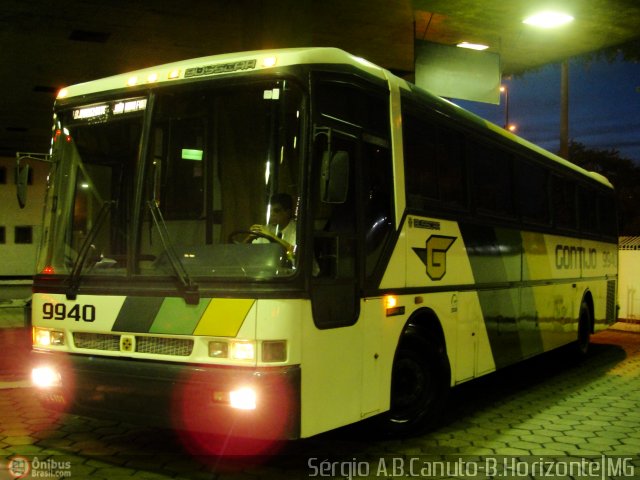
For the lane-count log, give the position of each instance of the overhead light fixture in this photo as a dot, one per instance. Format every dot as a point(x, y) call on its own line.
point(548, 19)
point(472, 46)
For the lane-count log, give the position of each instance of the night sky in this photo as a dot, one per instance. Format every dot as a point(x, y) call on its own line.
point(604, 106)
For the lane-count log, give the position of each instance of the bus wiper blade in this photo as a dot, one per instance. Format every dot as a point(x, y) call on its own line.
point(74, 278)
point(190, 289)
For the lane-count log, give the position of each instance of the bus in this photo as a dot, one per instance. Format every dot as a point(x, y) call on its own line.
point(430, 247)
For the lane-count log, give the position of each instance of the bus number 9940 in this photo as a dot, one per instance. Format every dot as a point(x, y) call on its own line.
point(60, 311)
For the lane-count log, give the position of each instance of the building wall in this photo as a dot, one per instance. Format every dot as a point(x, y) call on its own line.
point(19, 259)
point(629, 278)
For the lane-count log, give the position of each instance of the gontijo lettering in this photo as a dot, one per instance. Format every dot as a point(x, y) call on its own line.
point(570, 256)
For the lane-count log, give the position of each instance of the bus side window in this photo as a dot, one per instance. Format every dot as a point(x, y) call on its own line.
point(492, 180)
point(435, 173)
point(563, 199)
point(451, 169)
point(419, 145)
point(588, 210)
point(533, 201)
point(607, 219)
point(378, 202)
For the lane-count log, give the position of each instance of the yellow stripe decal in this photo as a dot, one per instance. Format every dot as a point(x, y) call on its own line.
point(224, 317)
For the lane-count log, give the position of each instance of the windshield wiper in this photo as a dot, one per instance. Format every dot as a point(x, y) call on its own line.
point(74, 278)
point(190, 289)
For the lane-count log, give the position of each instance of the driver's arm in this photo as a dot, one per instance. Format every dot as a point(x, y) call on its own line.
point(262, 229)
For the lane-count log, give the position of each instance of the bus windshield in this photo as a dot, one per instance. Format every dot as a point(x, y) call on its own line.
point(201, 179)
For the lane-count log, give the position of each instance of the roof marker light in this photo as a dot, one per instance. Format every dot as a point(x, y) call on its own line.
point(173, 74)
point(132, 81)
point(269, 62)
point(152, 77)
point(63, 93)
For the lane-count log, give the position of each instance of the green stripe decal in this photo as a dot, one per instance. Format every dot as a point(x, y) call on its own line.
point(496, 258)
point(177, 318)
point(137, 314)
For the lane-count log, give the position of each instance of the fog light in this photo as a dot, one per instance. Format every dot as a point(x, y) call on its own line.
point(46, 377)
point(274, 351)
point(57, 337)
point(218, 349)
point(44, 338)
point(243, 398)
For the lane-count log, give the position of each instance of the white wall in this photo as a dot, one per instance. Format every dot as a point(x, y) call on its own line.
point(19, 259)
point(629, 283)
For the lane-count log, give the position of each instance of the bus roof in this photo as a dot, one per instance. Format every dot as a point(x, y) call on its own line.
point(217, 65)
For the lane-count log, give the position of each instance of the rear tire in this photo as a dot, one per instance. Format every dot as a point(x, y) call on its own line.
point(419, 386)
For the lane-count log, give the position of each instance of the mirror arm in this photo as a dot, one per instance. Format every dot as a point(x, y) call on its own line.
point(40, 157)
point(22, 175)
point(317, 131)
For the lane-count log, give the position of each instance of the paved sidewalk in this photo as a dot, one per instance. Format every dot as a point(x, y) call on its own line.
point(551, 407)
point(12, 313)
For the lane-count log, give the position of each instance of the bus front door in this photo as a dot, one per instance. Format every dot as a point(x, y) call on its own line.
point(335, 293)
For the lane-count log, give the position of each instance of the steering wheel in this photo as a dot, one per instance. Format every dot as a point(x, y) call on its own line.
point(250, 235)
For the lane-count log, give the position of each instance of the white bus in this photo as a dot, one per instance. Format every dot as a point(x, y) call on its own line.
point(426, 247)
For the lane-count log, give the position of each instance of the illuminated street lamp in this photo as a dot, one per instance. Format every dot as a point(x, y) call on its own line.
point(547, 20)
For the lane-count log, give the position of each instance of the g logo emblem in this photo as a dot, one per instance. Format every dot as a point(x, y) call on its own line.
point(434, 256)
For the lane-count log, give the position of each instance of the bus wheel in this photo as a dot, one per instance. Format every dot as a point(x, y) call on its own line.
point(419, 384)
point(584, 329)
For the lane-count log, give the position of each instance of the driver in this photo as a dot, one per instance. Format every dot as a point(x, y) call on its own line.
point(282, 225)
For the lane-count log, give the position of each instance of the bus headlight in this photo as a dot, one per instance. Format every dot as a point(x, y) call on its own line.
point(234, 350)
point(46, 377)
point(243, 351)
point(272, 351)
point(43, 337)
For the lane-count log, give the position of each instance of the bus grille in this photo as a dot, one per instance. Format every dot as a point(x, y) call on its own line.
point(164, 346)
point(97, 341)
point(155, 345)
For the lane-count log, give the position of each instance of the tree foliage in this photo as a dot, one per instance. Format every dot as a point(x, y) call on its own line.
point(622, 172)
point(628, 52)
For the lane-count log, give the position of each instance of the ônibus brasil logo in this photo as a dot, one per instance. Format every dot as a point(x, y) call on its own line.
point(19, 467)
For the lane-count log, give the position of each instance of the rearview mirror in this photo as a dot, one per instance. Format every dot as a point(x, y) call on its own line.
point(334, 177)
point(22, 173)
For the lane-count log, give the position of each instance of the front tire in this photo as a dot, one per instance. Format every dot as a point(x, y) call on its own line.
point(419, 386)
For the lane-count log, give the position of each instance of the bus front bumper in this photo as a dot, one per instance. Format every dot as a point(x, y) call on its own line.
point(232, 401)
